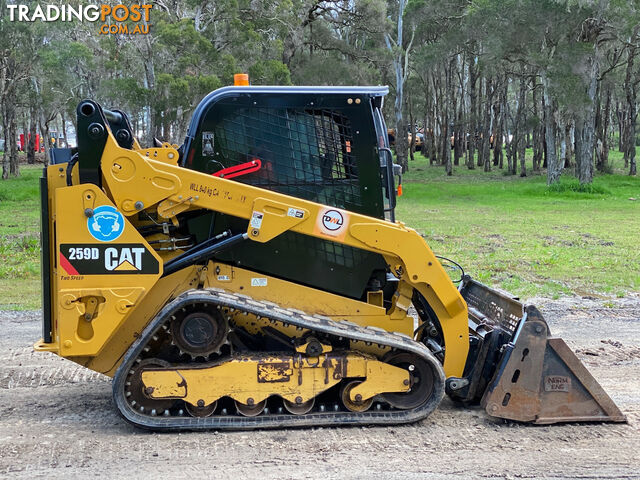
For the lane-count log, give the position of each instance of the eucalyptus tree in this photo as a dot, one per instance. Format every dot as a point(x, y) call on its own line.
point(631, 82)
point(399, 48)
point(14, 69)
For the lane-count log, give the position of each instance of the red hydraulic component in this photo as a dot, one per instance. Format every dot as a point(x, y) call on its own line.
point(237, 170)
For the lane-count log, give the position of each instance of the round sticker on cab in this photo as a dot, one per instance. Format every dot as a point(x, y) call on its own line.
point(106, 224)
point(332, 222)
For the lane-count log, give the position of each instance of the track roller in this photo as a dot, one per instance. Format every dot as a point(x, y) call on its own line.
point(354, 405)
point(299, 408)
point(201, 410)
point(251, 410)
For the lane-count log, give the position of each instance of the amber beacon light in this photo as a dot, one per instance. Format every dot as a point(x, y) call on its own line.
point(241, 80)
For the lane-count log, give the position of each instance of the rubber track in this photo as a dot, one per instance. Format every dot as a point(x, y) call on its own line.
point(297, 318)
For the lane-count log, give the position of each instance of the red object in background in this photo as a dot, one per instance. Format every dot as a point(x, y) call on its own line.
point(23, 145)
point(237, 170)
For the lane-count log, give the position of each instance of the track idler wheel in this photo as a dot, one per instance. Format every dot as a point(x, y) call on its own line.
point(421, 378)
point(354, 405)
point(134, 389)
point(252, 410)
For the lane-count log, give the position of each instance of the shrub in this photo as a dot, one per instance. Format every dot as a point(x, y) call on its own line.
point(573, 186)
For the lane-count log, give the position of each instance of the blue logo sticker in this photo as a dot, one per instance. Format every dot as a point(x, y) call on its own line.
point(107, 223)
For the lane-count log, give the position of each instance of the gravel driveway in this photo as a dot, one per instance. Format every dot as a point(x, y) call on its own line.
point(58, 421)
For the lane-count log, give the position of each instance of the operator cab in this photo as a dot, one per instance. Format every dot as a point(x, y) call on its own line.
point(323, 144)
point(318, 143)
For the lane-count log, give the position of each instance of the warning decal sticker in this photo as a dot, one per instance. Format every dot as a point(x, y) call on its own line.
point(256, 220)
point(294, 212)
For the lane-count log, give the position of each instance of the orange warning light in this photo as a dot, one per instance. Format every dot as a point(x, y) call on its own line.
point(241, 80)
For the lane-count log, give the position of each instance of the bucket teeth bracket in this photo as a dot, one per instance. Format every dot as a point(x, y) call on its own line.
point(540, 380)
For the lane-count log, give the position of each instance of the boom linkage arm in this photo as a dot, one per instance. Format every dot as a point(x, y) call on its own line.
point(136, 182)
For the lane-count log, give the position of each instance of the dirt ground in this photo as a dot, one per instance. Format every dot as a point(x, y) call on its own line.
point(57, 420)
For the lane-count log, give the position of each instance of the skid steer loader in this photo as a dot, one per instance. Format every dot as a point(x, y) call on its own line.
point(255, 277)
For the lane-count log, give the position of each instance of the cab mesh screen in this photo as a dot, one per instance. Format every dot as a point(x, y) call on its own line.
point(304, 153)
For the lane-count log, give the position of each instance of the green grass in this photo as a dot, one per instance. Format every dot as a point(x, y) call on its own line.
point(19, 240)
point(507, 231)
point(518, 234)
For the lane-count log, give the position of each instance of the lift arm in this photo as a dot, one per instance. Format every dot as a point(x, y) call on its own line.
point(137, 182)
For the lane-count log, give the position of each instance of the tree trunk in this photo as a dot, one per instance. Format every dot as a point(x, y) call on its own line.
point(473, 121)
point(565, 157)
point(457, 141)
point(509, 131)
point(426, 148)
point(400, 66)
point(33, 130)
point(496, 131)
point(433, 148)
point(606, 118)
point(566, 144)
point(554, 170)
point(522, 122)
point(64, 130)
point(6, 164)
point(498, 136)
point(585, 121)
point(401, 142)
point(433, 145)
point(514, 144)
point(413, 130)
point(44, 133)
point(585, 130)
point(630, 89)
point(458, 148)
point(441, 125)
point(149, 84)
point(487, 125)
point(450, 88)
point(503, 122)
point(480, 118)
point(10, 108)
point(620, 116)
point(538, 130)
point(425, 139)
point(579, 131)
